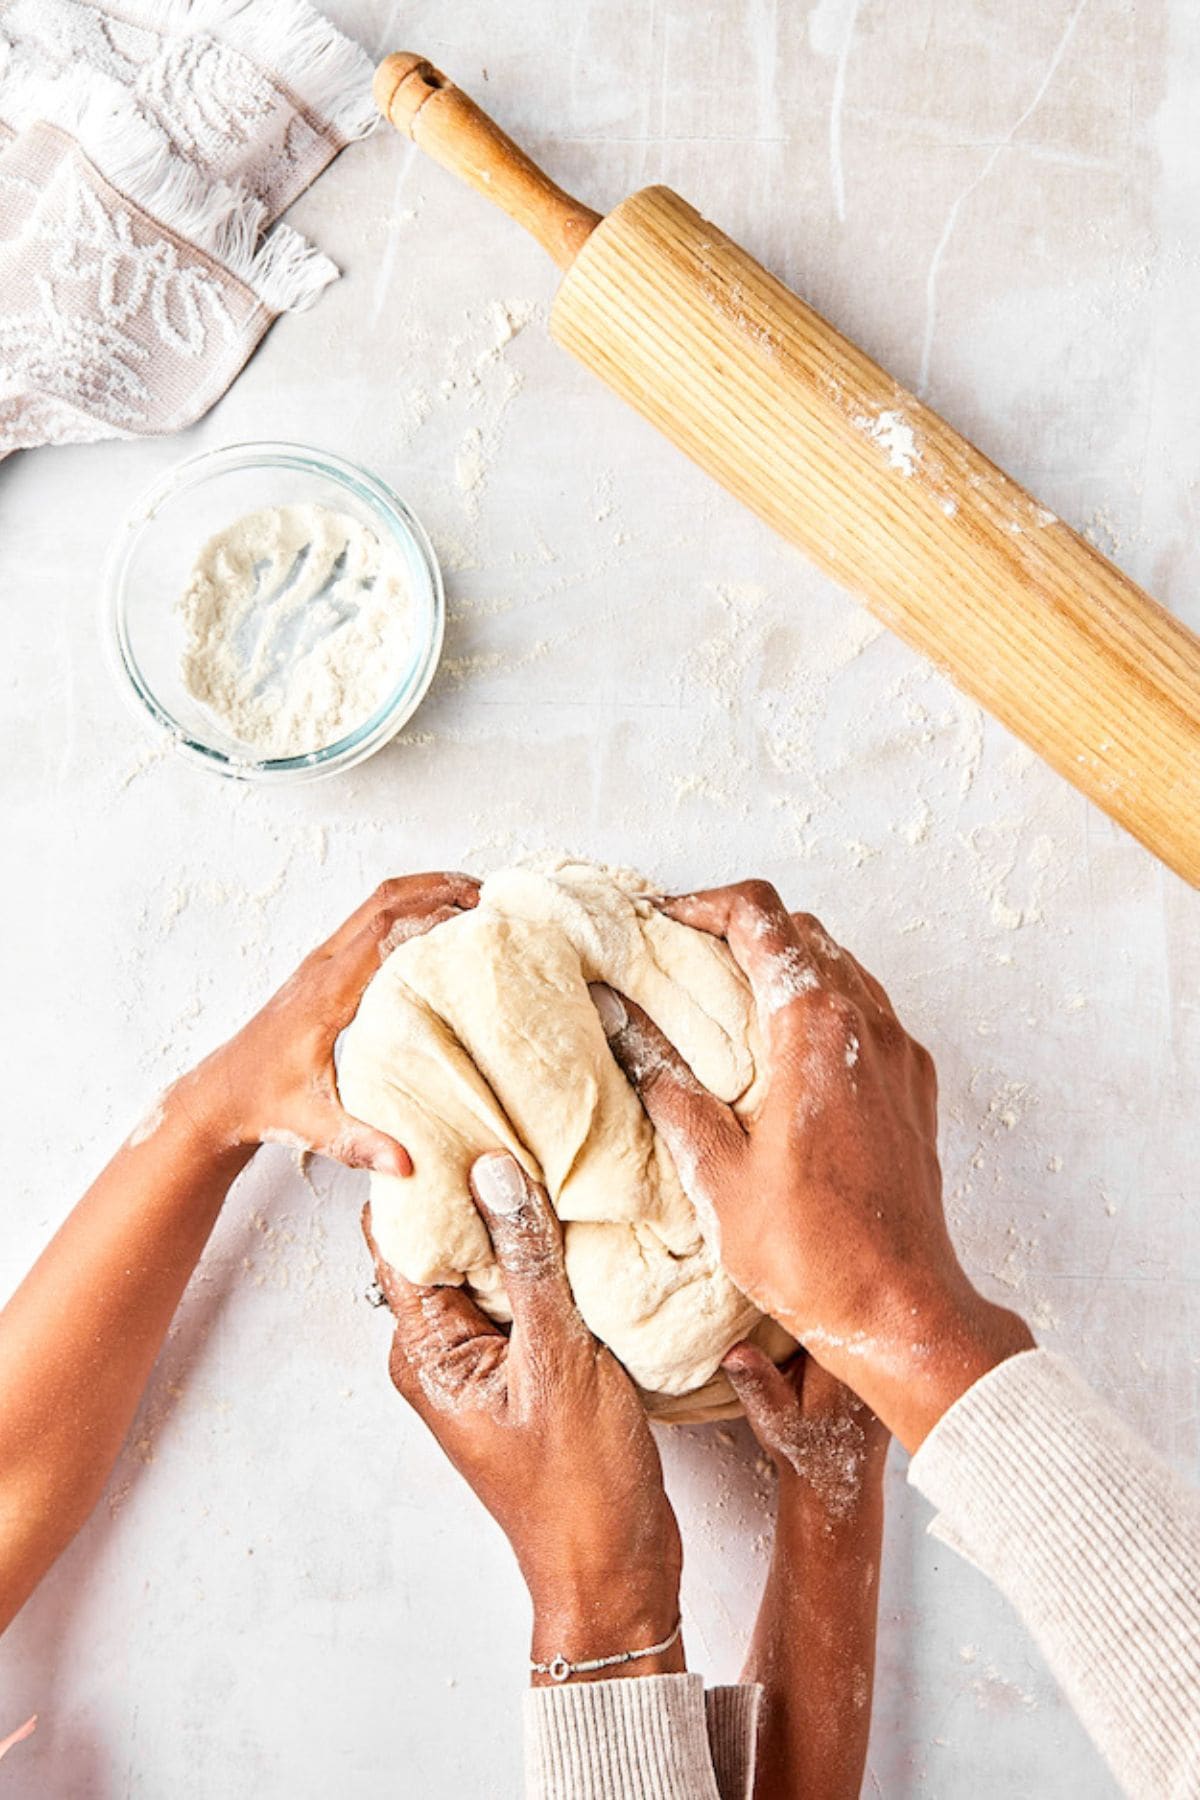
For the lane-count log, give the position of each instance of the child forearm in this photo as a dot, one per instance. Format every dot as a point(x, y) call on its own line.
point(814, 1647)
point(80, 1335)
point(814, 1642)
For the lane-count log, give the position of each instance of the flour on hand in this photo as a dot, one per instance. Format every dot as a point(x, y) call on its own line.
point(482, 1035)
point(299, 623)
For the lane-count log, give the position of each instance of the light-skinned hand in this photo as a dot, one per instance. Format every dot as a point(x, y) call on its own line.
point(101, 1296)
point(274, 1082)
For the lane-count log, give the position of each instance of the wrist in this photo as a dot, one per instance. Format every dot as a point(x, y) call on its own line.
point(584, 1621)
point(202, 1106)
point(928, 1349)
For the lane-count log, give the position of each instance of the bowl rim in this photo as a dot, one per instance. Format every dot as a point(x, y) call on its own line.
point(191, 472)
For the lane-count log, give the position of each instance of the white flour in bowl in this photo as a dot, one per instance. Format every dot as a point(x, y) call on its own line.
point(299, 624)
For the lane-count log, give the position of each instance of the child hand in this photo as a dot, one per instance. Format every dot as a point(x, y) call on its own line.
point(275, 1081)
point(826, 1443)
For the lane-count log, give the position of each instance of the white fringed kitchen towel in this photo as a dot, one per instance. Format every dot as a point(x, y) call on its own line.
point(145, 148)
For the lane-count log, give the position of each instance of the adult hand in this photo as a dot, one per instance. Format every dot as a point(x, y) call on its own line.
point(828, 1202)
point(275, 1081)
point(548, 1429)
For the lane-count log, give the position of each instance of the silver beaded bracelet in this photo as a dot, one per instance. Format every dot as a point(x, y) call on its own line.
point(561, 1670)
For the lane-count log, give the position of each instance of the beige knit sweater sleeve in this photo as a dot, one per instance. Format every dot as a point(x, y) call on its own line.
point(1097, 1545)
point(652, 1737)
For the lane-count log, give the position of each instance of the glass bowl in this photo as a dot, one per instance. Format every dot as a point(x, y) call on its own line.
point(151, 560)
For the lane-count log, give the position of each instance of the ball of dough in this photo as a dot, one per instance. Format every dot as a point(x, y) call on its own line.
point(481, 1035)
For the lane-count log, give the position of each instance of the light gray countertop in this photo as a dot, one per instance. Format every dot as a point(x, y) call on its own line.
point(286, 1591)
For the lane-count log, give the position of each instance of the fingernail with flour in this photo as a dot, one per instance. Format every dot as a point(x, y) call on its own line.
point(613, 1016)
point(500, 1184)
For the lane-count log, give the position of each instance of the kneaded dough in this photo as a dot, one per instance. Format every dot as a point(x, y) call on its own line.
point(482, 1035)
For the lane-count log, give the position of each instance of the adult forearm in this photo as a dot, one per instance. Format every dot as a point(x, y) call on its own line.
point(600, 1612)
point(1096, 1542)
point(80, 1335)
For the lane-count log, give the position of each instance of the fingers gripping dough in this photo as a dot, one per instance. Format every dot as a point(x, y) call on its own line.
point(482, 1035)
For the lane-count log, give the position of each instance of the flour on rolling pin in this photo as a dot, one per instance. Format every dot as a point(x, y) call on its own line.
point(299, 624)
point(894, 435)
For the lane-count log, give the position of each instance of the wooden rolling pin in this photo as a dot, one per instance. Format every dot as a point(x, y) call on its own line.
point(882, 494)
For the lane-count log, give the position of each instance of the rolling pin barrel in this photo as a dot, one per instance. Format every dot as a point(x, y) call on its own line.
point(882, 494)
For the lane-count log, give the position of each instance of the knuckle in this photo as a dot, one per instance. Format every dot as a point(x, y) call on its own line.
point(807, 923)
point(873, 985)
point(758, 896)
point(649, 1070)
point(528, 1239)
point(541, 1235)
point(825, 1024)
point(535, 1259)
point(380, 923)
point(400, 1368)
point(646, 1057)
point(713, 1150)
point(824, 945)
point(390, 890)
point(698, 1150)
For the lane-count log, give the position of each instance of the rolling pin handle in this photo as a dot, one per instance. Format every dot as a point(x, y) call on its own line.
point(403, 82)
point(444, 122)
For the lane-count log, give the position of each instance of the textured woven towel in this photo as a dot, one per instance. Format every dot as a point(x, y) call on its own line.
point(145, 147)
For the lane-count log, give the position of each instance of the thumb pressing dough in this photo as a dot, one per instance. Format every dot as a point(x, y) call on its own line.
point(481, 1035)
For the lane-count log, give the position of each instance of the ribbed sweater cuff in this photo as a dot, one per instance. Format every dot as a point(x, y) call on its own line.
point(1096, 1543)
point(733, 1737)
point(645, 1738)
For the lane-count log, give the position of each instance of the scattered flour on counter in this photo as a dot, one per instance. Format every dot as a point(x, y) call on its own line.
point(146, 758)
point(299, 623)
point(470, 465)
point(478, 372)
